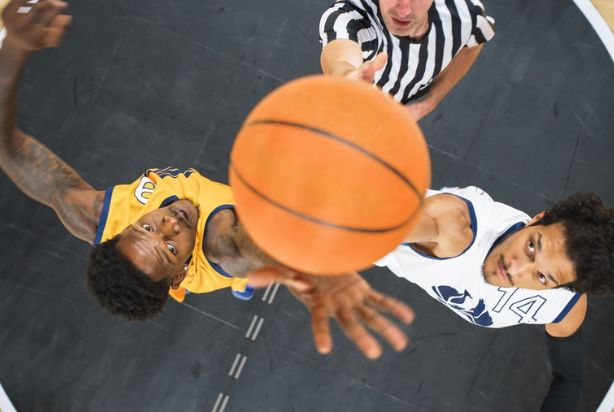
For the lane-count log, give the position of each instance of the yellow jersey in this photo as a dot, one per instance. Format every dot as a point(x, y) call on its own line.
point(156, 188)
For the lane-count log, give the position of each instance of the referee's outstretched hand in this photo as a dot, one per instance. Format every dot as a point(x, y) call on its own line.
point(350, 300)
point(368, 69)
point(34, 24)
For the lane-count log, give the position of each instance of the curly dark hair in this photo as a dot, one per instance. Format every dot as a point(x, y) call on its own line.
point(589, 241)
point(120, 287)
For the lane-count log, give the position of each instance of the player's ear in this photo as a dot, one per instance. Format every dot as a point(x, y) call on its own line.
point(536, 218)
point(179, 276)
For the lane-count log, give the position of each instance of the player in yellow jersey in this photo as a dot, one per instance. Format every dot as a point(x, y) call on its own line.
point(170, 230)
point(194, 200)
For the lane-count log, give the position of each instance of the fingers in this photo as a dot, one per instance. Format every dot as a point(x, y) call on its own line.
point(383, 327)
point(321, 330)
point(369, 68)
point(263, 277)
point(356, 332)
point(35, 24)
point(54, 35)
point(380, 61)
point(393, 306)
point(45, 11)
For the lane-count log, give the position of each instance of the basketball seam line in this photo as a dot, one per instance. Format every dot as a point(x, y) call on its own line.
point(320, 221)
point(340, 139)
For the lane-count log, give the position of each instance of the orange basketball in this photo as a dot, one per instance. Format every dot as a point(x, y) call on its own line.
point(328, 174)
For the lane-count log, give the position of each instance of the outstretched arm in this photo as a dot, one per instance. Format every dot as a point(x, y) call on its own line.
point(347, 298)
point(343, 58)
point(444, 82)
point(35, 169)
point(565, 349)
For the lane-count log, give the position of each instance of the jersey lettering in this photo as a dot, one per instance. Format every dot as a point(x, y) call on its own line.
point(527, 308)
point(144, 190)
point(507, 295)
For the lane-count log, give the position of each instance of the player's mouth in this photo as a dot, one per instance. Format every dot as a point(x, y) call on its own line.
point(502, 272)
point(402, 23)
point(186, 214)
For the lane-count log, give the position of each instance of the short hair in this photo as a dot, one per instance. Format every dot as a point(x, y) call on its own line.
point(121, 288)
point(589, 241)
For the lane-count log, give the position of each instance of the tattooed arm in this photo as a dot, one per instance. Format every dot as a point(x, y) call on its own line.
point(35, 169)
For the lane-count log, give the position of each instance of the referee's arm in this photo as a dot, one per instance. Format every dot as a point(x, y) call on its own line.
point(444, 82)
point(343, 57)
point(565, 349)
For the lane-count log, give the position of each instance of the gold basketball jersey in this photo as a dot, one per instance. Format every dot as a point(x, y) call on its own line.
point(156, 188)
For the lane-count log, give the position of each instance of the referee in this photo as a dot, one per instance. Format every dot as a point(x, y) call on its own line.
point(416, 50)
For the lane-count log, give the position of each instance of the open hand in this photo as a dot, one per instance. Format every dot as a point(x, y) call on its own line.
point(34, 24)
point(350, 300)
point(368, 69)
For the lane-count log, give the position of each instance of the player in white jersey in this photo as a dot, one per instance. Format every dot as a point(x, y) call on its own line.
point(495, 267)
point(459, 282)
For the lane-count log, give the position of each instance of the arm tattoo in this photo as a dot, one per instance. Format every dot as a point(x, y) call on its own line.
point(42, 175)
point(35, 169)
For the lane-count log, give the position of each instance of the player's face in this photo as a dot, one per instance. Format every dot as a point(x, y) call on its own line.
point(532, 258)
point(161, 241)
point(403, 17)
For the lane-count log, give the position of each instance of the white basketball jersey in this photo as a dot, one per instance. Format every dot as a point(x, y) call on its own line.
point(458, 282)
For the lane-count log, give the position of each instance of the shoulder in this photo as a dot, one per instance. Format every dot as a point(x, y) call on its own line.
point(572, 320)
point(452, 218)
point(342, 13)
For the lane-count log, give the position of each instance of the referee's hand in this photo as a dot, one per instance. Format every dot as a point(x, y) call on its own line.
point(368, 69)
point(347, 298)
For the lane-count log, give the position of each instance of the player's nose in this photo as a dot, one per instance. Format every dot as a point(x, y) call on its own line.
point(403, 8)
point(520, 269)
point(170, 225)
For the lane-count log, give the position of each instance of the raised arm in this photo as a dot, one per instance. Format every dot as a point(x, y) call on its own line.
point(444, 82)
point(35, 169)
point(343, 58)
point(347, 298)
point(444, 226)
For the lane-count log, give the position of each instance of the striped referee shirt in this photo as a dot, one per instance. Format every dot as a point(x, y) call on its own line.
point(411, 66)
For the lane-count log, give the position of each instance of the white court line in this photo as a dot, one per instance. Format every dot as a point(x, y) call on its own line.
point(599, 25)
point(217, 402)
point(241, 367)
point(274, 293)
point(251, 326)
point(266, 292)
point(224, 403)
point(607, 405)
point(257, 328)
point(234, 364)
point(5, 402)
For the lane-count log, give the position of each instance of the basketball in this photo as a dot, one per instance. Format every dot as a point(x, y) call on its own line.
point(328, 174)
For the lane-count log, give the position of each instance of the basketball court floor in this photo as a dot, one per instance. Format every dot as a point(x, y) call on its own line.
point(140, 84)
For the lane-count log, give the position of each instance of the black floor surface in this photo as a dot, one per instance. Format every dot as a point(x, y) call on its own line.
point(141, 84)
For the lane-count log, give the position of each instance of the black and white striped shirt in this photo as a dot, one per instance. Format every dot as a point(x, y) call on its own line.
point(411, 66)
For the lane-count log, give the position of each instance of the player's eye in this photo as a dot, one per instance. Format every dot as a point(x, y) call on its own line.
point(172, 248)
point(147, 227)
point(531, 247)
point(542, 278)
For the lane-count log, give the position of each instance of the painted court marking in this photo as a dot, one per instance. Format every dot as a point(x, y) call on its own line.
point(221, 402)
point(607, 405)
point(240, 360)
point(5, 402)
point(599, 24)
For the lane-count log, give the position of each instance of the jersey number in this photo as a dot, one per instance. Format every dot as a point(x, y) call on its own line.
point(526, 308)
